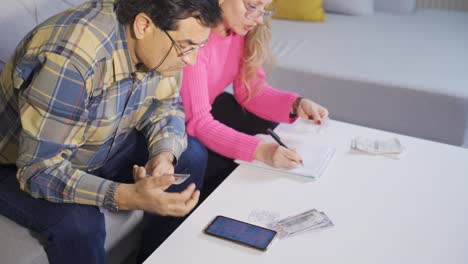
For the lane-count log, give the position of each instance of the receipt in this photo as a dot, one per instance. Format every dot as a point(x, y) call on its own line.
point(373, 146)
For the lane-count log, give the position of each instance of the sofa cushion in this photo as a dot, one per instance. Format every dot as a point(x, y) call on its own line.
point(349, 7)
point(13, 29)
point(395, 6)
point(306, 10)
point(19, 17)
point(19, 245)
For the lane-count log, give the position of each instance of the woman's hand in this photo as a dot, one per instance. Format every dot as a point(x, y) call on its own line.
point(310, 110)
point(277, 156)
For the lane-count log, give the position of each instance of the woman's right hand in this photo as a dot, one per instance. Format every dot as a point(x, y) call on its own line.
point(277, 156)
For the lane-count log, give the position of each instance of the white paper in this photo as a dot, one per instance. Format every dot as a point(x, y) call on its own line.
point(316, 158)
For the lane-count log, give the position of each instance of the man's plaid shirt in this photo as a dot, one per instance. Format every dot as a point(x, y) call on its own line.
point(70, 95)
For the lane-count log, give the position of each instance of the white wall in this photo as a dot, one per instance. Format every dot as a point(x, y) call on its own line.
point(461, 5)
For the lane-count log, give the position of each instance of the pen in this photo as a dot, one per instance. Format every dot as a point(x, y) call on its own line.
point(278, 140)
point(172, 174)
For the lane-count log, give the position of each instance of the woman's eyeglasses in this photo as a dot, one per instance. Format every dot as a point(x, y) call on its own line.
point(253, 12)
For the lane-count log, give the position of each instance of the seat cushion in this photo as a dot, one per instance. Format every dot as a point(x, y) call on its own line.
point(19, 245)
point(395, 6)
point(349, 7)
point(19, 17)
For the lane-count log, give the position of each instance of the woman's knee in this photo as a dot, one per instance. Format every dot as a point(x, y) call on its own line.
point(198, 151)
point(194, 157)
point(193, 161)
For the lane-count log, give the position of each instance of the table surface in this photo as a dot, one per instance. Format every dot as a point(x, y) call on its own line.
point(411, 210)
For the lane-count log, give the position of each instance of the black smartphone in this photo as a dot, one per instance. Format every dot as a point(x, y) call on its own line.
point(241, 232)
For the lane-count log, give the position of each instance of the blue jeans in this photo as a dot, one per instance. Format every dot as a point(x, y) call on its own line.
point(157, 228)
point(74, 233)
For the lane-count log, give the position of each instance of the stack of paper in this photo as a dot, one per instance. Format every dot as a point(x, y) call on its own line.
point(316, 158)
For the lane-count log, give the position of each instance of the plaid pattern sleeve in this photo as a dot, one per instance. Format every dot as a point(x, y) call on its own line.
point(164, 125)
point(54, 117)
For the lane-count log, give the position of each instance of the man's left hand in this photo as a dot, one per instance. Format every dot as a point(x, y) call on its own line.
point(160, 164)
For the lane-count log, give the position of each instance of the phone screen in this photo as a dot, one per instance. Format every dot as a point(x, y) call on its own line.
point(241, 232)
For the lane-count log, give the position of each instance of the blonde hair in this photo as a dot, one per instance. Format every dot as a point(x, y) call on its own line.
point(257, 53)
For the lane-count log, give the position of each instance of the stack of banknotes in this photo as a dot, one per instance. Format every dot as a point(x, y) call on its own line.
point(306, 221)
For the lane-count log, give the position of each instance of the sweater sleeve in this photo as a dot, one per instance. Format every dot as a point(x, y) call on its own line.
point(201, 124)
point(267, 102)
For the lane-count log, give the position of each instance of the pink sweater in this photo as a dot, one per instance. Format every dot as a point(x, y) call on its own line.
point(218, 65)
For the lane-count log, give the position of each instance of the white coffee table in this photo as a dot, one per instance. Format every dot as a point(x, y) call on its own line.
point(412, 210)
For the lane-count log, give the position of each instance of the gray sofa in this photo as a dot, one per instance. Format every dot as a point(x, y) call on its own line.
point(400, 69)
point(18, 244)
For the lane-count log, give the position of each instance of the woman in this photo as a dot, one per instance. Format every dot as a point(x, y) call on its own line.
point(236, 51)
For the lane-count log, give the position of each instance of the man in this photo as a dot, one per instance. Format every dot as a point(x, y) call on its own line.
point(84, 103)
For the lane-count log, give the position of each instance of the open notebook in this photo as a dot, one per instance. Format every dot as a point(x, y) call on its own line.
point(316, 157)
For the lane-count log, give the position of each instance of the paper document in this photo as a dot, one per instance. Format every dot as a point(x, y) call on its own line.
point(316, 157)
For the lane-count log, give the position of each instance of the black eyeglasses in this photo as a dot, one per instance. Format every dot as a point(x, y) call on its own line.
point(181, 52)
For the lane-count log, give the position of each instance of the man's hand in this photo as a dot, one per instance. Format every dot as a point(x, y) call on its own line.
point(148, 194)
point(310, 110)
point(160, 164)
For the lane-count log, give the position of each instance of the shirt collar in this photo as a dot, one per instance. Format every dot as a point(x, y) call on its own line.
point(123, 63)
point(122, 60)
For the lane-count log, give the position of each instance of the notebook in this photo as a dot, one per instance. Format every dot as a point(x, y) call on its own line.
point(317, 158)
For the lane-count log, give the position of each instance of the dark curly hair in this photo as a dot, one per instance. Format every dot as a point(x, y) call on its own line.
point(166, 13)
